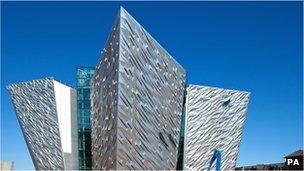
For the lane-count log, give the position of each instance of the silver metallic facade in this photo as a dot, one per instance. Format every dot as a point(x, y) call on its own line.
point(214, 120)
point(137, 99)
point(46, 111)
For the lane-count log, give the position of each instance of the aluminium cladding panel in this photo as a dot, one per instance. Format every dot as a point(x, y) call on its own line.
point(150, 101)
point(214, 120)
point(35, 105)
point(104, 104)
point(43, 122)
point(138, 103)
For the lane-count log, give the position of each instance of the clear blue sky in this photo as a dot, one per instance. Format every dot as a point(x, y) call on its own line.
point(252, 46)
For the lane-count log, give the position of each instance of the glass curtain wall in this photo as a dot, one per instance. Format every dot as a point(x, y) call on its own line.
point(84, 75)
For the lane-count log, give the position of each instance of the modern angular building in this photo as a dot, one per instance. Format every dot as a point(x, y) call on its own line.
point(46, 111)
point(137, 101)
point(134, 112)
point(214, 121)
point(84, 75)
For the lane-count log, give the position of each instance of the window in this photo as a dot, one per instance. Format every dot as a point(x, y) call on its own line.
point(86, 94)
point(226, 103)
point(86, 104)
point(172, 140)
point(161, 137)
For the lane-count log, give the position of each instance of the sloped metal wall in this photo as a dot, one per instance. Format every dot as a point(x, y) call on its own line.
point(214, 120)
point(35, 105)
point(37, 108)
point(137, 101)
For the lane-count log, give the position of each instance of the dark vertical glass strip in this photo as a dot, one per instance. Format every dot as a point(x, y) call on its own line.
point(84, 75)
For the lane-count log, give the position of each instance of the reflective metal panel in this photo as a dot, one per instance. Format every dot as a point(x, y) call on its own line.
point(214, 121)
point(104, 104)
point(48, 122)
point(137, 100)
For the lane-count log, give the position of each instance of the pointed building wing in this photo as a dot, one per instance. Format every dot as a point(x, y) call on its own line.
point(46, 111)
point(137, 101)
point(214, 120)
